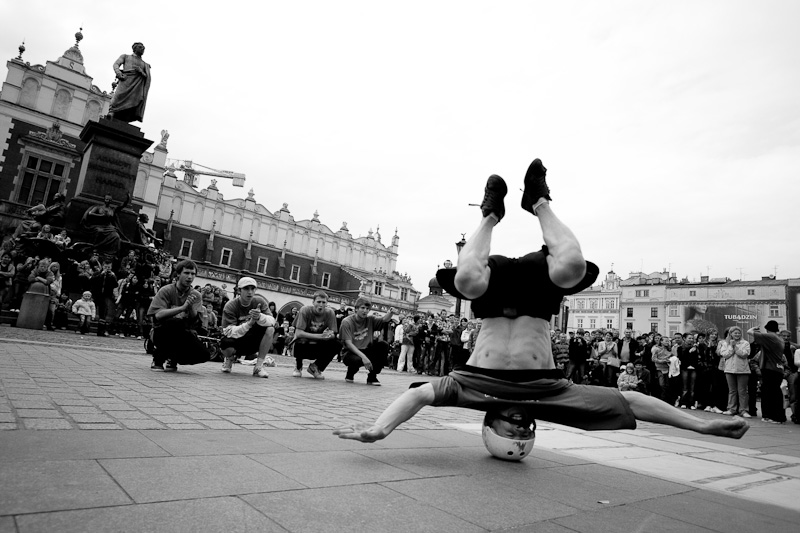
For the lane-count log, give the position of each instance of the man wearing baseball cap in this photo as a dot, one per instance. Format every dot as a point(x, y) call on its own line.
point(773, 364)
point(247, 327)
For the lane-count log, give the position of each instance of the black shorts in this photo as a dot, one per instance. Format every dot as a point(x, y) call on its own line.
point(247, 344)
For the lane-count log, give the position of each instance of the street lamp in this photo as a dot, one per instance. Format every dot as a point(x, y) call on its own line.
point(459, 246)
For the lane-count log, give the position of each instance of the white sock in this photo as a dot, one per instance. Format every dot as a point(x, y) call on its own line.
point(542, 201)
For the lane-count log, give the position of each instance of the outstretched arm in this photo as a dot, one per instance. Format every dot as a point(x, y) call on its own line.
point(403, 408)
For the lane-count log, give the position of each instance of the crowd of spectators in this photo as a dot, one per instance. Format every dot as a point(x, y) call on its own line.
point(120, 297)
point(693, 370)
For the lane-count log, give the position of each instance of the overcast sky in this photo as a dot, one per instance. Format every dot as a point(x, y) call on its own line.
point(670, 130)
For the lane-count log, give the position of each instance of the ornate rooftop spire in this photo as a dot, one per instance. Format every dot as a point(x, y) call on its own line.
point(74, 53)
point(21, 49)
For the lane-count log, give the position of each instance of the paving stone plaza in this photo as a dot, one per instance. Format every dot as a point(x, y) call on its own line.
point(93, 440)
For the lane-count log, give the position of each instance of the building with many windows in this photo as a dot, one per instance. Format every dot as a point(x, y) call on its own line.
point(596, 307)
point(43, 109)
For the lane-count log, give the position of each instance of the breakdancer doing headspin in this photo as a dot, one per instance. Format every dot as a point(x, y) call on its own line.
point(511, 374)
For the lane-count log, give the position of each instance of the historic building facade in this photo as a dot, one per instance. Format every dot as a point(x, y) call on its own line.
point(43, 109)
point(289, 259)
point(596, 307)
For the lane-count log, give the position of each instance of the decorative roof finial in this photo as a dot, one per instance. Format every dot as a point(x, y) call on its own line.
point(21, 49)
point(78, 37)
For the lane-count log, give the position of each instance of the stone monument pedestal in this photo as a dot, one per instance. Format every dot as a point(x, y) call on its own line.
point(109, 166)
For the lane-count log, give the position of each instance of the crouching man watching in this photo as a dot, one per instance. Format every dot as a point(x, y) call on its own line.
point(247, 330)
point(174, 313)
point(315, 336)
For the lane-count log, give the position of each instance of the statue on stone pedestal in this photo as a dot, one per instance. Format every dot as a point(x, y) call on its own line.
point(146, 236)
point(40, 214)
point(130, 98)
point(103, 222)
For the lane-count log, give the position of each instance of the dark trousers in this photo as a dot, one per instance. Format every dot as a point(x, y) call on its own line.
point(688, 378)
point(174, 341)
point(575, 371)
point(719, 390)
point(702, 387)
point(458, 357)
point(663, 383)
point(418, 360)
point(752, 393)
point(376, 352)
point(772, 396)
point(322, 352)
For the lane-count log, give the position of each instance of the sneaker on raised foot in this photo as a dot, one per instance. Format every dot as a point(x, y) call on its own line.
point(171, 366)
point(348, 378)
point(536, 187)
point(260, 372)
point(314, 371)
point(156, 365)
point(227, 365)
point(494, 193)
point(373, 381)
point(298, 373)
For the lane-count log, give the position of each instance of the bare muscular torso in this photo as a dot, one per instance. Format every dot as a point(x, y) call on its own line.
point(521, 343)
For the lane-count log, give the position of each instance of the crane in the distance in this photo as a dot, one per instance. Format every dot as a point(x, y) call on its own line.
point(191, 170)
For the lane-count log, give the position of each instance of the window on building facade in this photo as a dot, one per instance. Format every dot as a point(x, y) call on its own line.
point(378, 288)
point(692, 293)
point(592, 304)
point(654, 312)
point(261, 265)
point(751, 292)
point(629, 312)
point(654, 327)
point(326, 279)
point(774, 311)
point(609, 323)
point(225, 257)
point(186, 248)
point(643, 293)
point(41, 179)
point(592, 323)
point(673, 310)
point(610, 304)
point(629, 325)
point(580, 304)
point(404, 294)
point(580, 323)
point(294, 275)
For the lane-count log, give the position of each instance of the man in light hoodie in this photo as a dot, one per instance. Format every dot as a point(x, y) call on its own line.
point(248, 328)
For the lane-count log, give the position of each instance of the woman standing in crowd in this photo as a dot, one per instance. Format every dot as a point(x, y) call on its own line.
point(609, 358)
point(719, 385)
point(661, 355)
point(406, 357)
point(127, 301)
point(144, 297)
point(735, 352)
point(55, 293)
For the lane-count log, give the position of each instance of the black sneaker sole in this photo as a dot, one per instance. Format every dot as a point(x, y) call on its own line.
point(535, 185)
point(493, 198)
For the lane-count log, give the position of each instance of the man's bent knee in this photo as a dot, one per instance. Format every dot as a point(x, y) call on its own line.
point(568, 270)
point(472, 283)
